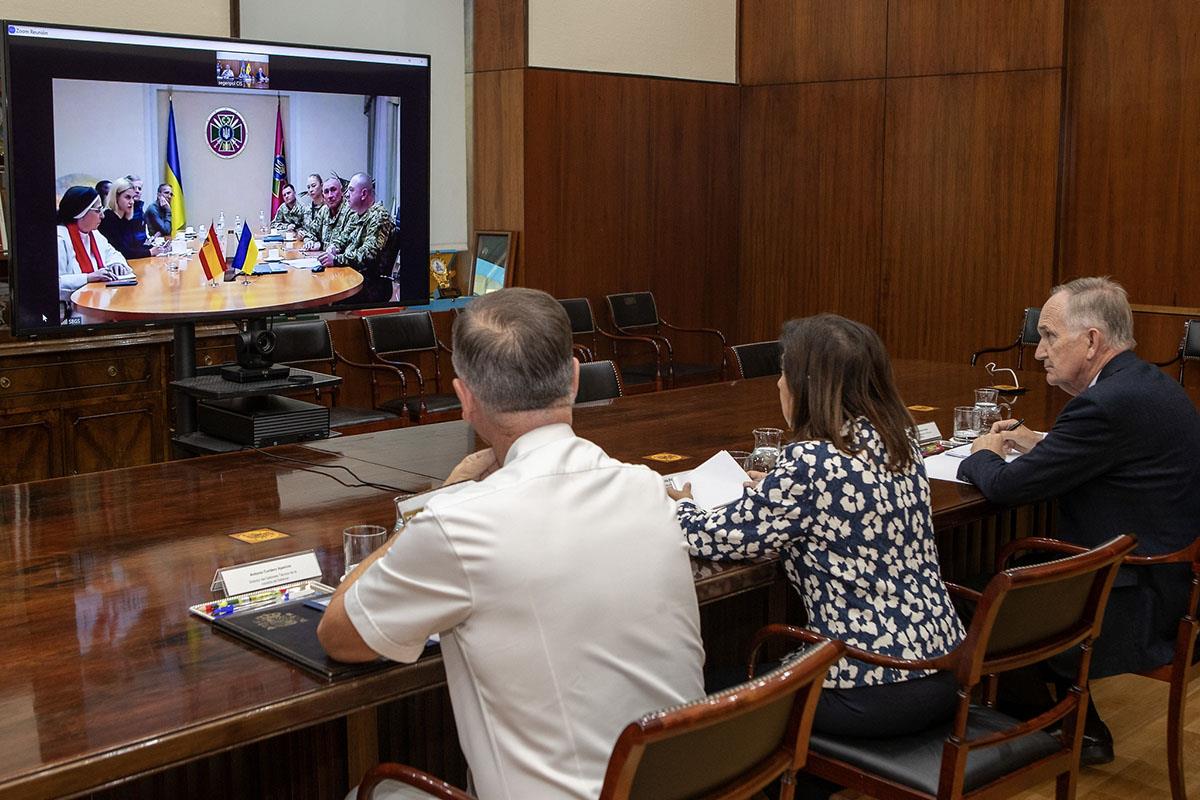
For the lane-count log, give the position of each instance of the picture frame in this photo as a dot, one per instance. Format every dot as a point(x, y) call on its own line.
point(492, 265)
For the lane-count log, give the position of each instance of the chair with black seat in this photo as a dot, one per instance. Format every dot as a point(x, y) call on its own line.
point(644, 366)
point(1026, 338)
point(724, 746)
point(598, 380)
point(1023, 616)
point(309, 345)
point(1189, 347)
point(754, 360)
point(636, 314)
point(1183, 667)
point(394, 338)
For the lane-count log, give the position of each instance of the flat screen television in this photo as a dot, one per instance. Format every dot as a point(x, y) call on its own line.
point(221, 126)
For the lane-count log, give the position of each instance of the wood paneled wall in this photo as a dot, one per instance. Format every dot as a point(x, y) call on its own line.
point(924, 201)
point(930, 167)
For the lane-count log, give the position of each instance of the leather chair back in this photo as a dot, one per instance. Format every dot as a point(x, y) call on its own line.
point(757, 359)
point(1029, 613)
point(405, 332)
point(302, 341)
point(1029, 332)
point(633, 310)
point(1191, 339)
point(579, 312)
point(598, 380)
point(725, 745)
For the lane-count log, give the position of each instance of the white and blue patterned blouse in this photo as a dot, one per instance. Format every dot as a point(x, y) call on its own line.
point(857, 543)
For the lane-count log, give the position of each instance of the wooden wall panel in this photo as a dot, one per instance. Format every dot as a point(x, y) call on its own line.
point(790, 41)
point(499, 35)
point(934, 37)
point(812, 172)
point(499, 119)
point(631, 184)
point(969, 207)
point(1131, 194)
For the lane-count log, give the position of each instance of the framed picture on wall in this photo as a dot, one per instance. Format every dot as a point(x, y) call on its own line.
point(494, 257)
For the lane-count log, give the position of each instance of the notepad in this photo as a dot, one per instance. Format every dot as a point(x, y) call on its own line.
point(301, 263)
point(717, 482)
point(944, 466)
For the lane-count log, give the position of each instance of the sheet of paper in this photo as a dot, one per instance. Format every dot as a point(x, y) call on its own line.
point(301, 263)
point(944, 465)
point(715, 482)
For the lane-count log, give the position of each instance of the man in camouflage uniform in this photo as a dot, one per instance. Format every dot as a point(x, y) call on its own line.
point(290, 216)
point(330, 220)
point(361, 242)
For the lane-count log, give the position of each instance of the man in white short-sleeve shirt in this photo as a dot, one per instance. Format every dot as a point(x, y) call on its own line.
point(556, 576)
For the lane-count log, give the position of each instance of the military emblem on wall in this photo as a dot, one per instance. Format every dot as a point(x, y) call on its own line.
point(225, 132)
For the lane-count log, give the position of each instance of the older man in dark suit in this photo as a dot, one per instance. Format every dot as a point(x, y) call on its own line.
point(1122, 457)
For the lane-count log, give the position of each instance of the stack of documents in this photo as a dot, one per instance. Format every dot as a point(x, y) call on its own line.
point(717, 482)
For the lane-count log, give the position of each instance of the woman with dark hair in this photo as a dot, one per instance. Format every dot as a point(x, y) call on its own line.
point(847, 508)
point(84, 255)
point(123, 227)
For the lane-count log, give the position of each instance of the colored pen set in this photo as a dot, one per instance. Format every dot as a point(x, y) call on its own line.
point(260, 599)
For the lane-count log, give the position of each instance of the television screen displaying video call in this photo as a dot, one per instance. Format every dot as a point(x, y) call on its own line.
point(165, 179)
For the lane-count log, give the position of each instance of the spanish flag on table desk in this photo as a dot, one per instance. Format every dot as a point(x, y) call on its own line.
point(211, 257)
point(247, 252)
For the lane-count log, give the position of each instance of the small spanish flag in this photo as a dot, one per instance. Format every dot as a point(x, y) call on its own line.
point(211, 257)
point(247, 252)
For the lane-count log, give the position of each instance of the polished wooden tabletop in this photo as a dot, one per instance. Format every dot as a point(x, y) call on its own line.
point(104, 674)
point(185, 293)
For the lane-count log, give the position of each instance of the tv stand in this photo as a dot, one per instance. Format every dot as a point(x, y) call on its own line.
point(238, 423)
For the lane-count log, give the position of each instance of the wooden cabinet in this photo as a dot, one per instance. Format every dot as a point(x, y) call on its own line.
point(81, 405)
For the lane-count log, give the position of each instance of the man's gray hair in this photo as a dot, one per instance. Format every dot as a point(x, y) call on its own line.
point(513, 349)
point(1100, 303)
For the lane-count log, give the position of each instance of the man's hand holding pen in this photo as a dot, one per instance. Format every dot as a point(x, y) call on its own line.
point(1008, 436)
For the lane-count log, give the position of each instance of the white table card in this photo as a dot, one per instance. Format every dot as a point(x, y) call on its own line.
point(268, 573)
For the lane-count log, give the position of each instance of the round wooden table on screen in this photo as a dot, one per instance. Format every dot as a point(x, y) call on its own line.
point(163, 294)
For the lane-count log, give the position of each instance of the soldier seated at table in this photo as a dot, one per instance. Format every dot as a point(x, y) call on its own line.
point(290, 216)
point(330, 219)
point(363, 239)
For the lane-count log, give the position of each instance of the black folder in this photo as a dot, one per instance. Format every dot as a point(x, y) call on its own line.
point(289, 630)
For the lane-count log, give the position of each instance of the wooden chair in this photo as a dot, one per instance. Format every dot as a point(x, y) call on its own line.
point(724, 746)
point(1023, 616)
point(1026, 338)
point(308, 344)
point(648, 351)
point(392, 338)
point(1189, 347)
point(636, 314)
point(754, 360)
point(1183, 667)
point(598, 380)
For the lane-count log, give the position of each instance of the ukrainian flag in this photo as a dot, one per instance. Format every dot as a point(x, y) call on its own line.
point(247, 252)
point(174, 176)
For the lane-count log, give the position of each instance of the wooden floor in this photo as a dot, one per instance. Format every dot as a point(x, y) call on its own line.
point(1136, 712)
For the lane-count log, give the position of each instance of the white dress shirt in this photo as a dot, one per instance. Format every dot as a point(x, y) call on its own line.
point(564, 596)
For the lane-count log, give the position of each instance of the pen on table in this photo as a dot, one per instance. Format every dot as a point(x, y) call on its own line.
point(233, 601)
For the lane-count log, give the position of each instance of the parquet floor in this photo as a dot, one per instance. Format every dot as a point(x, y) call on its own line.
point(1136, 712)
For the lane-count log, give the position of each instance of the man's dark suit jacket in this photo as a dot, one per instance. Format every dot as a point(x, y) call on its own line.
point(1122, 457)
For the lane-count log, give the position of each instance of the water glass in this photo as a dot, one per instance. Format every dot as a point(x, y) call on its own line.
point(966, 423)
point(359, 541)
point(767, 442)
point(742, 457)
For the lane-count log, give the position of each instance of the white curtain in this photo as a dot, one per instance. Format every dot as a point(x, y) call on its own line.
point(384, 125)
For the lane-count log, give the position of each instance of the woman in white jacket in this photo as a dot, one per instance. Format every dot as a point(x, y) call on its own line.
point(84, 255)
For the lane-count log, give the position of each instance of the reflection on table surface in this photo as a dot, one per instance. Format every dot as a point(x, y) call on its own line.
point(175, 286)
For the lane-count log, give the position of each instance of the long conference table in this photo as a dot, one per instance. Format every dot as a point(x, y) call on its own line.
point(104, 676)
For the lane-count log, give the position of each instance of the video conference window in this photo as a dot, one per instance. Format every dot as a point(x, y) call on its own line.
point(242, 195)
point(243, 70)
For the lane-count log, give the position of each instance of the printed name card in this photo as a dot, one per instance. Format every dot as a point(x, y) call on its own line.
point(268, 573)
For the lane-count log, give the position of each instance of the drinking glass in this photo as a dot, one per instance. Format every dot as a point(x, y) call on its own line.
point(359, 541)
point(262, 222)
point(767, 442)
point(966, 423)
point(742, 457)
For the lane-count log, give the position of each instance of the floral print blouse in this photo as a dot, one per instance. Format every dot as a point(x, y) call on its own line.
point(857, 543)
